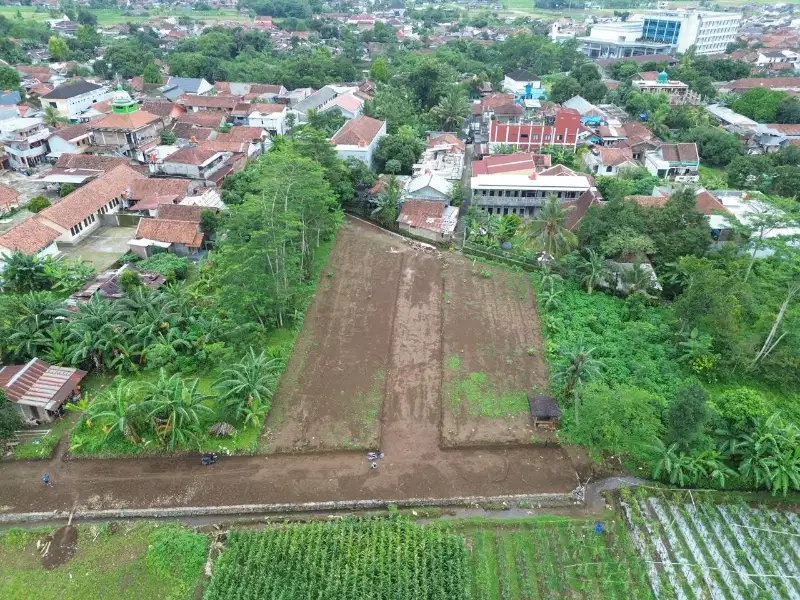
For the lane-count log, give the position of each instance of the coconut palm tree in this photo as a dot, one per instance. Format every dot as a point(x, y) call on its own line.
point(252, 380)
point(52, 118)
point(451, 110)
point(594, 269)
point(97, 333)
point(579, 368)
point(116, 409)
point(547, 232)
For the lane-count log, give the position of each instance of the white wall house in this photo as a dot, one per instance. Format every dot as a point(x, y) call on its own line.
point(74, 97)
point(524, 195)
point(78, 214)
point(271, 117)
point(25, 141)
point(31, 238)
point(359, 138)
point(516, 81)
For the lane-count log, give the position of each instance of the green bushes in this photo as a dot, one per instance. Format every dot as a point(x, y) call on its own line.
point(740, 407)
point(37, 204)
point(177, 552)
point(170, 266)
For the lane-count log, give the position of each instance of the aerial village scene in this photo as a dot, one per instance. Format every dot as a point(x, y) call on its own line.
point(399, 299)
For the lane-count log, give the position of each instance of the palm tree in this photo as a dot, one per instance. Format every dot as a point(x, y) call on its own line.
point(452, 109)
point(547, 231)
point(29, 339)
point(595, 270)
point(679, 468)
point(579, 368)
point(249, 383)
point(117, 410)
point(23, 273)
point(177, 410)
point(639, 280)
point(97, 332)
point(387, 201)
point(53, 118)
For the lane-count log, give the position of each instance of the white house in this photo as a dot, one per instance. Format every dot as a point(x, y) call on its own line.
point(524, 195)
point(271, 117)
point(348, 105)
point(31, 238)
point(516, 81)
point(74, 97)
point(609, 161)
point(428, 186)
point(359, 138)
point(70, 140)
point(78, 214)
point(25, 141)
point(676, 162)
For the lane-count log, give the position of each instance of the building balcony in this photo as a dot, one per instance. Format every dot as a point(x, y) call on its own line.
point(27, 152)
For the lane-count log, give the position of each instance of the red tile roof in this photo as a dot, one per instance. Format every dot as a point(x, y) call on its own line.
point(90, 198)
point(509, 163)
point(679, 152)
point(143, 188)
point(177, 212)
point(241, 134)
point(615, 156)
point(8, 196)
point(95, 162)
point(169, 231)
point(362, 129)
point(128, 121)
point(581, 205)
point(191, 155)
point(766, 82)
point(203, 118)
point(224, 102)
point(29, 237)
point(423, 214)
point(446, 138)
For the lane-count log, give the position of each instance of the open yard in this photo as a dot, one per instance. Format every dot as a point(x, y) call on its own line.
point(400, 343)
point(493, 355)
point(102, 248)
point(130, 561)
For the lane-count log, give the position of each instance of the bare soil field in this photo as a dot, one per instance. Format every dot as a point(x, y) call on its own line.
point(331, 394)
point(493, 356)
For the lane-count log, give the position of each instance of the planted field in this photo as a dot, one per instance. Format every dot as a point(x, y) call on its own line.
point(492, 355)
point(343, 559)
point(331, 394)
point(552, 558)
point(716, 551)
point(113, 562)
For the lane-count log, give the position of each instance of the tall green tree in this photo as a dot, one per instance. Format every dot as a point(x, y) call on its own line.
point(452, 109)
point(248, 385)
point(547, 231)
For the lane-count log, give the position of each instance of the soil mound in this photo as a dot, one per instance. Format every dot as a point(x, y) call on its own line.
point(62, 544)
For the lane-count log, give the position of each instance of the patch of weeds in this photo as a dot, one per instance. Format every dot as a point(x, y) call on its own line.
point(368, 404)
point(531, 351)
point(177, 552)
point(14, 539)
point(525, 504)
point(486, 274)
point(453, 363)
point(483, 399)
point(329, 274)
point(448, 296)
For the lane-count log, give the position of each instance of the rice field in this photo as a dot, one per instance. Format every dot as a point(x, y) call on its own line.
point(698, 550)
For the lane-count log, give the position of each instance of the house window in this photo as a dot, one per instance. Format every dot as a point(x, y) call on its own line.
point(560, 138)
point(547, 138)
point(524, 135)
point(609, 169)
point(491, 193)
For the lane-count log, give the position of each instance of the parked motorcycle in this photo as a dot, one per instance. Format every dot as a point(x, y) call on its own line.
point(209, 459)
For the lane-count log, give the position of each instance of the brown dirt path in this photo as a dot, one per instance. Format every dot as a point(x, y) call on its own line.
point(415, 466)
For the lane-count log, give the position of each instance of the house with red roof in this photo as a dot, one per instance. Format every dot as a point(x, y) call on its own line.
point(39, 390)
point(358, 138)
point(608, 161)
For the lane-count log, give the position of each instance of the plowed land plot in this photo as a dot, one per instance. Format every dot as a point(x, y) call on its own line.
point(493, 356)
point(331, 394)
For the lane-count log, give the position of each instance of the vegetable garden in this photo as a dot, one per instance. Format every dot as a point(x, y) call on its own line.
point(696, 549)
point(344, 559)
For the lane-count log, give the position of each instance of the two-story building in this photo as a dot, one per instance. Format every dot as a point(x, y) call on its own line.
point(271, 117)
point(25, 141)
point(524, 195)
point(75, 139)
point(195, 162)
point(78, 214)
point(660, 83)
point(74, 97)
point(126, 128)
point(359, 138)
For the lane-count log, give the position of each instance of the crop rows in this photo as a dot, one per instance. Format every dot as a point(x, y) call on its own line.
point(556, 559)
point(715, 552)
point(354, 558)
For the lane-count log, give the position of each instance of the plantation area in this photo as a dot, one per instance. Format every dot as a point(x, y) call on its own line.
point(706, 550)
point(126, 561)
point(346, 559)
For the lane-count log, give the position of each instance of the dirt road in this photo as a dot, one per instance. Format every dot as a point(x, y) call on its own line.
point(415, 465)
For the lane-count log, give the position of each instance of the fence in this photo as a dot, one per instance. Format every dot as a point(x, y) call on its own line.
point(528, 264)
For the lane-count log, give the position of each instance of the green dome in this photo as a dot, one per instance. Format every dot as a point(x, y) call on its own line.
point(121, 101)
point(662, 77)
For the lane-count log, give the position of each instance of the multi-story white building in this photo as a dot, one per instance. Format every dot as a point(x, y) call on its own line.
point(663, 32)
point(74, 97)
point(25, 141)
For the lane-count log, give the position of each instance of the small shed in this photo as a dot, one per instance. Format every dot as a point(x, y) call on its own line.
point(545, 411)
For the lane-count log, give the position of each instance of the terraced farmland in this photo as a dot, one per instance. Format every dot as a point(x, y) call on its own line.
point(698, 550)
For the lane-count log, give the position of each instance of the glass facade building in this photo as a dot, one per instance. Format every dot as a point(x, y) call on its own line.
point(661, 30)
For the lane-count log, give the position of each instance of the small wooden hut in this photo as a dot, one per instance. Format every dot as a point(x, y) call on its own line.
point(545, 411)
